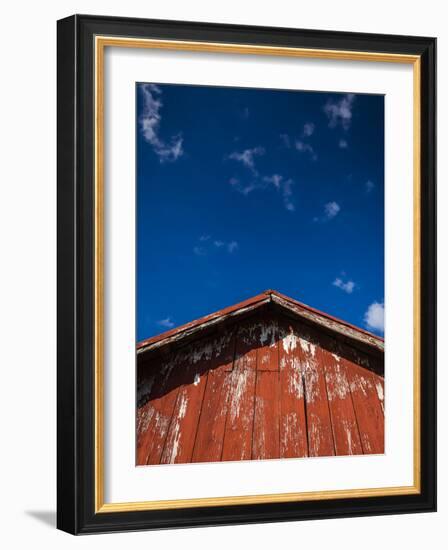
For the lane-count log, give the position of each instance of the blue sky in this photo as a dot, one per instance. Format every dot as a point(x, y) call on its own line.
point(241, 190)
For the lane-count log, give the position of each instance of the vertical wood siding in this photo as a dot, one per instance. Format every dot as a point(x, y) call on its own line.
point(268, 388)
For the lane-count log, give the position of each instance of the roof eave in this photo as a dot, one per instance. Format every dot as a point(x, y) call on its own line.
point(298, 309)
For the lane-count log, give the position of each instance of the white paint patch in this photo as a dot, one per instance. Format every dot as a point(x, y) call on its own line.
point(366, 444)
point(145, 419)
point(175, 446)
point(176, 430)
point(203, 352)
point(304, 345)
point(361, 383)
point(290, 429)
point(307, 347)
point(221, 343)
point(267, 332)
point(161, 426)
point(197, 379)
point(379, 391)
point(315, 433)
point(289, 342)
point(247, 333)
point(311, 385)
point(339, 387)
point(183, 406)
point(240, 387)
point(348, 433)
point(295, 384)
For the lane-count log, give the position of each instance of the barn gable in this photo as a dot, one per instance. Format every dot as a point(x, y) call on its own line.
point(268, 378)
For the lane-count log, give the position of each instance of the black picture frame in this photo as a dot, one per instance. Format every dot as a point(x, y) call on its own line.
point(76, 260)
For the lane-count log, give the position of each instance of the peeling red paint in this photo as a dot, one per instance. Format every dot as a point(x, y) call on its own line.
point(268, 385)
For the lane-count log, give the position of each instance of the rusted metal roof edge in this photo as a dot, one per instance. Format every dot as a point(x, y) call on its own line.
point(297, 308)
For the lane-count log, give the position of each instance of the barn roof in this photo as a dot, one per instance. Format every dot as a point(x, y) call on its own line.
point(268, 298)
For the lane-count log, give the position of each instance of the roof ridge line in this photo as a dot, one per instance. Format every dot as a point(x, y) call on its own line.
point(266, 297)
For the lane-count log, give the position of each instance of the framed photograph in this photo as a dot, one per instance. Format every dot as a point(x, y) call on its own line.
point(246, 274)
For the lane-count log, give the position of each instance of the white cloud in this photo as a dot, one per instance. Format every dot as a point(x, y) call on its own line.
point(207, 245)
point(199, 251)
point(332, 209)
point(242, 188)
point(258, 181)
point(276, 180)
point(167, 323)
point(308, 129)
point(150, 120)
point(302, 144)
point(347, 286)
point(287, 196)
point(370, 186)
point(343, 144)
point(286, 140)
point(374, 317)
point(340, 112)
point(305, 148)
point(247, 157)
point(284, 187)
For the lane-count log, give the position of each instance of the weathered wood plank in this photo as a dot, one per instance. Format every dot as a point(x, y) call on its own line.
point(278, 388)
point(240, 413)
point(144, 417)
point(369, 413)
point(156, 415)
point(192, 379)
point(239, 422)
point(293, 431)
point(158, 428)
point(224, 350)
point(210, 435)
point(146, 376)
point(320, 436)
point(369, 361)
point(343, 419)
point(379, 386)
point(246, 344)
point(267, 335)
point(144, 391)
point(266, 435)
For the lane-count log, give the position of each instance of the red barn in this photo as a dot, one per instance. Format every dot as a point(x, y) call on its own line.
point(267, 378)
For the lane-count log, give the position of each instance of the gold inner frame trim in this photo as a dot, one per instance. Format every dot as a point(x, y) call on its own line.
point(101, 42)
